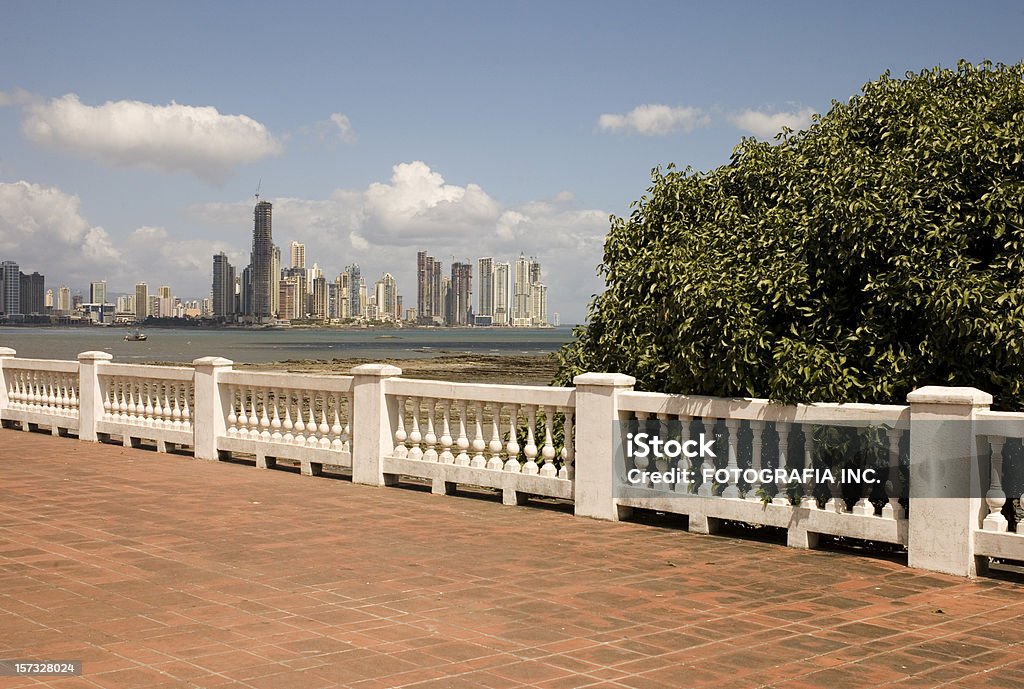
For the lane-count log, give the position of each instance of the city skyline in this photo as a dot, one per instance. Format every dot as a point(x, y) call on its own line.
point(476, 131)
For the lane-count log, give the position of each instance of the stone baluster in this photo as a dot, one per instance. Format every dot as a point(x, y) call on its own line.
point(299, 426)
point(568, 449)
point(275, 420)
point(131, 384)
point(756, 440)
point(530, 450)
point(254, 418)
point(479, 444)
point(494, 445)
point(995, 498)
point(105, 387)
point(324, 428)
point(707, 467)
point(415, 437)
point(893, 485)
point(288, 424)
point(548, 449)
point(684, 465)
point(863, 506)
point(781, 485)
point(733, 490)
point(401, 451)
point(74, 397)
point(808, 501)
point(346, 440)
point(265, 415)
point(186, 407)
point(311, 425)
point(337, 443)
point(147, 407)
point(661, 463)
point(462, 459)
point(512, 445)
point(430, 437)
point(446, 456)
point(642, 463)
point(123, 404)
point(232, 420)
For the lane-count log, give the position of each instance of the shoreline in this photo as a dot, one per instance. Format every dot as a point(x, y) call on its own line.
point(521, 369)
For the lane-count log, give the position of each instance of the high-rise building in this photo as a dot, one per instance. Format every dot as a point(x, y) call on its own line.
point(63, 300)
point(302, 294)
point(485, 289)
point(344, 295)
point(141, 301)
point(461, 295)
point(275, 282)
point(223, 287)
point(319, 306)
point(290, 294)
point(10, 288)
point(261, 262)
point(48, 300)
point(166, 308)
point(521, 293)
point(387, 298)
point(538, 304)
point(423, 285)
point(298, 252)
point(502, 294)
point(357, 291)
point(33, 294)
point(98, 292)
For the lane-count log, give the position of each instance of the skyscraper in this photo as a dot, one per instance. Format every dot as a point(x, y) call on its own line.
point(485, 290)
point(33, 294)
point(461, 294)
point(357, 291)
point(521, 293)
point(502, 294)
point(261, 262)
point(141, 301)
point(63, 300)
point(166, 309)
point(223, 287)
point(298, 252)
point(10, 288)
point(98, 292)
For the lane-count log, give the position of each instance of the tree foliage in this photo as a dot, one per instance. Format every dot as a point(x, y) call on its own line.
point(880, 250)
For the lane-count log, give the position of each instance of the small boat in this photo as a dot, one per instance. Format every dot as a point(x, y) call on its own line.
point(135, 336)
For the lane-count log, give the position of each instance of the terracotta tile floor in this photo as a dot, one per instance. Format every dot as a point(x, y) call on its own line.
point(164, 571)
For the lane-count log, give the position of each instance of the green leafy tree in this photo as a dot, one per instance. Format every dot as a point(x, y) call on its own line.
point(880, 250)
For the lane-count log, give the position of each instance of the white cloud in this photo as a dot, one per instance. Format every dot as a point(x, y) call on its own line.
point(655, 120)
point(184, 264)
point(42, 228)
point(172, 138)
point(383, 225)
point(344, 127)
point(766, 125)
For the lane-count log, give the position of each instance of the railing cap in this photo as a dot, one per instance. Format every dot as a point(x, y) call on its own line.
point(378, 370)
point(618, 380)
point(95, 356)
point(937, 394)
point(212, 361)
point(7, 353)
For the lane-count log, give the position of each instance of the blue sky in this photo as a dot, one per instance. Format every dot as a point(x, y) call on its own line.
point(469, 128)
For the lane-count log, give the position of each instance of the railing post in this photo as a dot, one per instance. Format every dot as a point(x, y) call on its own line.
point(597, 414)
point(945, 479)
point(210, 411)
point(371, 414)
point(5, 353)
point(90, 397)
